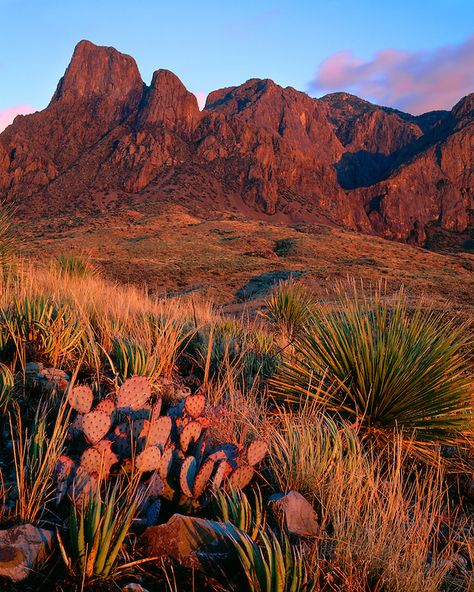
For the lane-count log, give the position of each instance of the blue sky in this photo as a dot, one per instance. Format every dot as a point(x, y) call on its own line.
point(314, 46)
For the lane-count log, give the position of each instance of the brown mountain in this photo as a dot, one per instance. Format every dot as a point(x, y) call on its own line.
point(107, 139)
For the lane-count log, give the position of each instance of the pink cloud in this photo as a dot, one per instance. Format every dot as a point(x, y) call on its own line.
point(8, 115)
point(412, 81)
point(201, 99)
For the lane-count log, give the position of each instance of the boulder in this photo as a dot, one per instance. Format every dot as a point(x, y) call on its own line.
point(296, 512)
point(21, 547)
point(194, 543)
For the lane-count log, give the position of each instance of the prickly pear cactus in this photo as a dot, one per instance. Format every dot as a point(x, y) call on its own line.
point(172, 453)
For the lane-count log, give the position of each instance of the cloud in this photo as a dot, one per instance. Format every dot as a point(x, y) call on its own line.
point(416, 82)
point(201, 99)
point(8, 115)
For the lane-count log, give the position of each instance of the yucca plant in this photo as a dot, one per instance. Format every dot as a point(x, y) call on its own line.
point(235, 506)
point(289, 308)
point(76, 266)
point(383, 366)
point(98, 526)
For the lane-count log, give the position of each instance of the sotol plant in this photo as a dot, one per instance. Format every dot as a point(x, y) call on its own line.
point(383, 366)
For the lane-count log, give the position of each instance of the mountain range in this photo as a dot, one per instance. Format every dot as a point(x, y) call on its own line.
point(264, 151)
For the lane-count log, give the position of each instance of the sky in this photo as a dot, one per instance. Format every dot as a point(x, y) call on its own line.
point(415, 55)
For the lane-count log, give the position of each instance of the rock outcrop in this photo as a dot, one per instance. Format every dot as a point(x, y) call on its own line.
point(21, 547)
point(258, 148)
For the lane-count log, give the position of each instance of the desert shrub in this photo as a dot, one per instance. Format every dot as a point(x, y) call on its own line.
point(251, 351)
point(38, 327)
point(286, 247)
point(36, 450)
point(129, 358)
point(383, 366)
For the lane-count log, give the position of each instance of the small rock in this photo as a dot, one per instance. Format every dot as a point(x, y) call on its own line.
point(20, 548)
point(33, 367)
point(53, 374)
point(192, 542)
point(298, 514)
point(134, 588)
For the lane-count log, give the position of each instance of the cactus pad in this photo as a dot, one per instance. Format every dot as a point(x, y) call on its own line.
point(256, 452)
point(224, 452)
point(106, 405)
point(140, 428)
point(153, 512)
point(222, 471)
point(80, 398)
point(83, 485)
point(159, 431)
point(202, 478)
point(241, 477)
point(156, 408)
point(134, 393)
point(91, 461)
point(75, 429)
point(190, 434)
point(194, 405)
point(166, 463)
point(95, 425)
point(187, 476)
point(155, 485)
point(149, 459)
point(104, 447)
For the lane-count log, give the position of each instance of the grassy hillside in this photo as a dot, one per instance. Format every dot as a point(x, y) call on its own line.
point(364, 404)
point(233, 260)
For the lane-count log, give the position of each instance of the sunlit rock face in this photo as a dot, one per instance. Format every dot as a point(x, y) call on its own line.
point(276, 151)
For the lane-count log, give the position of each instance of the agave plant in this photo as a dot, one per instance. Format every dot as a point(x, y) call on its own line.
point(98, 526)
point(234, 506)
point(383, 366)
point(275, 565)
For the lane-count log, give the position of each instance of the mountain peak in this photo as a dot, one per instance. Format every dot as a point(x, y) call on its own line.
point(169, 102)
point(98, 71)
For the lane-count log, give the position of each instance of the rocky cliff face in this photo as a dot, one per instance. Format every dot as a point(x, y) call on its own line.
point(273, 150)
